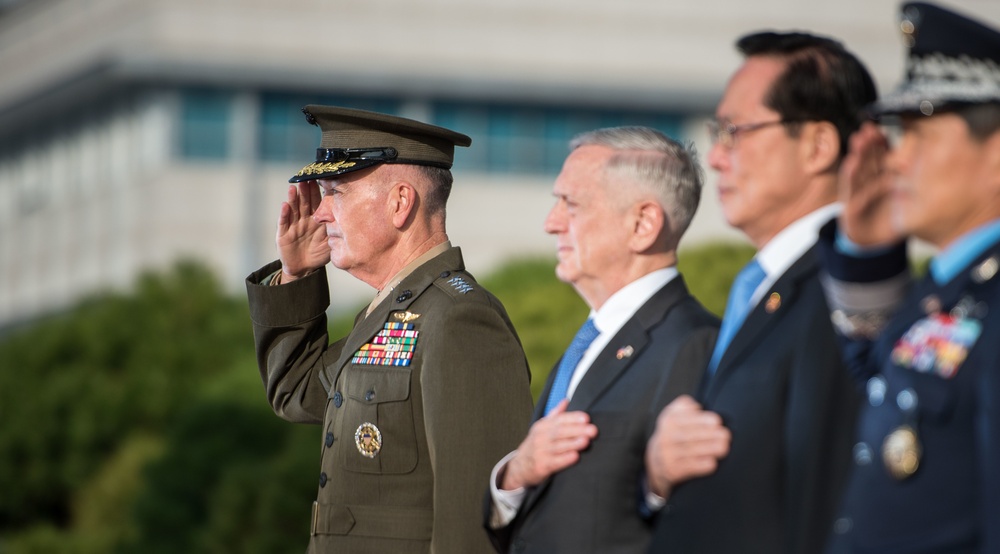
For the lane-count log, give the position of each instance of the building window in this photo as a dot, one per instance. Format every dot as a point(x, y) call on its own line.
point(205, 120)
point(532, 139)
point(284, 133)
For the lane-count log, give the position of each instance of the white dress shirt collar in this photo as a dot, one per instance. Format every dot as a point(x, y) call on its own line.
point(790, 244)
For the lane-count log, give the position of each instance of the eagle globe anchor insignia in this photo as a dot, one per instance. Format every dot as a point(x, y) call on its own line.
point(368, 439)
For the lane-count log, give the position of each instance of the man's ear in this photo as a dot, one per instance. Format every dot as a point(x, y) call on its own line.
point(820, 146)
point(648, 224)
point(403, 200)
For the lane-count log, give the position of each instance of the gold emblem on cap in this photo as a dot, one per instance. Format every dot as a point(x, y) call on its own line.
point(405, 317)
point(773, 303)
point(317, 168)
point(901, 452)
point(368, 439)
point(625, 352)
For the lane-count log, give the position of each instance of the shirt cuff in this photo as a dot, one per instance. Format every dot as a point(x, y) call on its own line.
point(272, 279)
point(505, 503)
point(654, 502)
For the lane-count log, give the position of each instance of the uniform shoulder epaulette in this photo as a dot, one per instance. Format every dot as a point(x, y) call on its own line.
point(456, 283)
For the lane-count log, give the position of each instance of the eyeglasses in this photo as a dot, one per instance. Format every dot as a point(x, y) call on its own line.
point(724, 132)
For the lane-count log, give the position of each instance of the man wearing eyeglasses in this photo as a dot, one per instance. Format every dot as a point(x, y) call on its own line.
point(430, 387)
point(756, 462)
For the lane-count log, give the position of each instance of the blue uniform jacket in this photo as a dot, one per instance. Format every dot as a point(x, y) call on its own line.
point(926, 370)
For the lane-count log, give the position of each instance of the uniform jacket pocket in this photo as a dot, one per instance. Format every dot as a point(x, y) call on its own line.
point(379, 419)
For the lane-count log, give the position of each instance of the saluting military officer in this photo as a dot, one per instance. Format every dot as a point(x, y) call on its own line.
point(927, 459)
point(431, 385)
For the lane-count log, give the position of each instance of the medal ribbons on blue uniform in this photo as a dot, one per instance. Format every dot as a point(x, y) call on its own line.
point(393, 345)
point(938, 343)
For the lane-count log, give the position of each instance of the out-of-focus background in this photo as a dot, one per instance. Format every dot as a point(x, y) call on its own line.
point(144, 151)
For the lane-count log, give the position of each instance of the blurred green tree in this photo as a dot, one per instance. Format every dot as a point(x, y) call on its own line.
point(76, 387)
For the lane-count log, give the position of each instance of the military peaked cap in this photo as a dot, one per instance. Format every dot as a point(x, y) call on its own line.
point(356, 139)
point(953, 60)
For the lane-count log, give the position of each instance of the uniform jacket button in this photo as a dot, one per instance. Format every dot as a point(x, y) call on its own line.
point(370, 395)
point(322, 479)
point(862, 454)
point(338, 399)
point(329, 440)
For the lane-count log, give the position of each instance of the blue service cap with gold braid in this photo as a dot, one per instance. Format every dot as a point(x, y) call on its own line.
point(356, 139)
point(953, 60)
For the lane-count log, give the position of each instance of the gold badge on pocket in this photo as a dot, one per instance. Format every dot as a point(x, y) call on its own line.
point(368, 439)
point(901, 452)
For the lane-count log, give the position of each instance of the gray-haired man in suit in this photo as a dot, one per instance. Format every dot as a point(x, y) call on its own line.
point(574, 485)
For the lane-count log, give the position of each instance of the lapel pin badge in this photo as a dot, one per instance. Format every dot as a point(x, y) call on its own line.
point(625, 352)
point(773, 303)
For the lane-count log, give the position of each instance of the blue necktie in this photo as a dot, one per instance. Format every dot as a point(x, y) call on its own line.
point(737, 308)
point(586, 335)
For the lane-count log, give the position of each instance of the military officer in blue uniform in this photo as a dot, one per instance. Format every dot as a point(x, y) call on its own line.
point(927, 457)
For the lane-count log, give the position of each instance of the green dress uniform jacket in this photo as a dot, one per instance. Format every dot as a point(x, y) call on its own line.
point(410, 429)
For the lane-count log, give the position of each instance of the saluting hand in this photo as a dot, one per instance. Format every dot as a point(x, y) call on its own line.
point(688, 442)
point(865, 190)
point(554, 443)
point(302, 242)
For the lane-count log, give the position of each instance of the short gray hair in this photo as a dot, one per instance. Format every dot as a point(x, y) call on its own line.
point(440, 181)
point(654, 163)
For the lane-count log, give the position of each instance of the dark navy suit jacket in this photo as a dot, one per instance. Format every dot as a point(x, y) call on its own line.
point(952, 502)
point(781, 389)
point(593, 505)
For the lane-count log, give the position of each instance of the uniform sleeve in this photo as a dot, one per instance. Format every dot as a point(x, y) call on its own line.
point(477, 407)
point(290, 337)
point(863, 291)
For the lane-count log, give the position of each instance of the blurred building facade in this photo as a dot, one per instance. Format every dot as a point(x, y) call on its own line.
point(136, 133)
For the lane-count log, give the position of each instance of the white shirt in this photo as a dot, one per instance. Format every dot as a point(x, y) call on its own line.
point(608, 320)
point(789, 245)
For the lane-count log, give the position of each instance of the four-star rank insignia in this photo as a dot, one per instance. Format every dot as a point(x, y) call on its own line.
point(393, 345)
point(368, 439)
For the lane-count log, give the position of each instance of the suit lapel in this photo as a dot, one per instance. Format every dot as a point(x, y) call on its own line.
point(772, 306)
point(626, 345)
point(630, 340)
